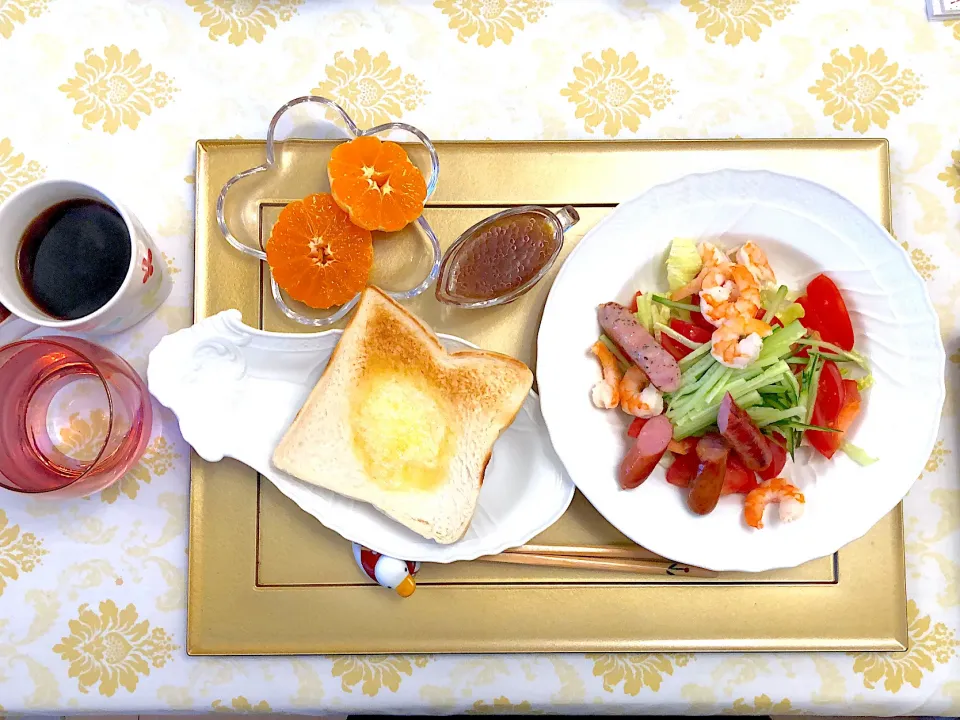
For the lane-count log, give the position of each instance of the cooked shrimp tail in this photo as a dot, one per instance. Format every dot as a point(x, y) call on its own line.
point(752, 257)
point(711, 255)
point(637, 396)
point(606, 393)
point(776, 490)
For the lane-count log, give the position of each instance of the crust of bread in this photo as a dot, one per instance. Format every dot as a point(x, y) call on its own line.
point(470, 397)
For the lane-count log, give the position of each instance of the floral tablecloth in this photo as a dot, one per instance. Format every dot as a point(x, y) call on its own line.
point(92, 597)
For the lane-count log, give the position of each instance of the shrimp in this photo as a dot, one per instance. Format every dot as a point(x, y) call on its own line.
point(776, 490)
point(637, 396)
point(711, 255)
point(606, 393)
point(729, 291)
point(752, 257)
point(737, 342)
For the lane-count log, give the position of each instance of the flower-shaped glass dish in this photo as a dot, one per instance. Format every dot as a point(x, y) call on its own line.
point(271, 163)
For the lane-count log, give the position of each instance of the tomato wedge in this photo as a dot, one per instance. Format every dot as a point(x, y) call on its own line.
point(691, 331)
point(698, 319)
point(778, 458)
point(774, 321)
point(678, 351)
point(688, 330)
point(826, 312)
point(633, 303)
point(683, 470)
point(636, 426)
point(739, 479)
point(829, 395)
point(827, 443)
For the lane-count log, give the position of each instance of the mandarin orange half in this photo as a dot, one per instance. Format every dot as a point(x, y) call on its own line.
point(376, 183)
point(317, 255)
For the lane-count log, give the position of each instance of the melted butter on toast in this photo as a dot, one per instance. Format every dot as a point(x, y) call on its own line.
point(400, 431)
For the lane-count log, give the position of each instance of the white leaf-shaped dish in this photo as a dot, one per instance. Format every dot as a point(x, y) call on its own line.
point(235, 391)
point(805, 229)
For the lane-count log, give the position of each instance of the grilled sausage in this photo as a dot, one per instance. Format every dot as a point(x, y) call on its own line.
point(707, 485)
point(743, 435)
point(639, 346)
point(646, 452)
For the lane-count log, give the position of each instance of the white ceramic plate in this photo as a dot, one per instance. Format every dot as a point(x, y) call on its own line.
point(805, 229)
point(235, 391)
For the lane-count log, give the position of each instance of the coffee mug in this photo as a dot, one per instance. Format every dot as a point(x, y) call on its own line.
point(145, 285)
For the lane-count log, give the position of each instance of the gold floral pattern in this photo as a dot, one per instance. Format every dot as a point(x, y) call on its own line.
point(955, 24)
point(503, 706)
point(370, 89)
point(19, 553)
point(616, 91)
point(929, 646)
point(921, 261)
point(242, 705)
point(171, 266)
point(157, 459)
point(116, 89)
point(14, 171)
point(82, 439)
point(950, 174)
point(735, 18)
point(635, 670)
point(762, 705)
point(490, 20)
point(864, 88)
point(375, 671)
point(111, 648)
point(937, 457)
point(17, 11)
point(247, 19)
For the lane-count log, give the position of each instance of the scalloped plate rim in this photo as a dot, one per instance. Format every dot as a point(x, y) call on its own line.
point(442, 554)
point(739, 564)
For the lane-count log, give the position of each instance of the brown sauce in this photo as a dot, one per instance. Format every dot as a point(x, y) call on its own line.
point(500, 257)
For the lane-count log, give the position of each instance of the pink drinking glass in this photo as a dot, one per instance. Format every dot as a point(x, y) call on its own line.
point(74, 417)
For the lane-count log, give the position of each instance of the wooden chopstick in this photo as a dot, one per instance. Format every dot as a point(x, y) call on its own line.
point(640, 567)
point(623, 552)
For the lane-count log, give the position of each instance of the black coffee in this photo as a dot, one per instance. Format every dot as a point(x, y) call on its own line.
point(73, 258)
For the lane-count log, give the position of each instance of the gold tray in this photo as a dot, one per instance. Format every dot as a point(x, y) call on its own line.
point(266, 578)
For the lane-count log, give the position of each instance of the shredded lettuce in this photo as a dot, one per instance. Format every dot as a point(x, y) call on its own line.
point(649, 313)
point(865, 382)
point(645, 311)
point(791, 312)
point(683, 263)
point(857, 454)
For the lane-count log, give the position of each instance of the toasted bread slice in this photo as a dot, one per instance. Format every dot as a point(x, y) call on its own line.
point(398, 422)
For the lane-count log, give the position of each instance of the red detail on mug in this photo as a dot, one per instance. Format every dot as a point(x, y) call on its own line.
point(147, 266)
